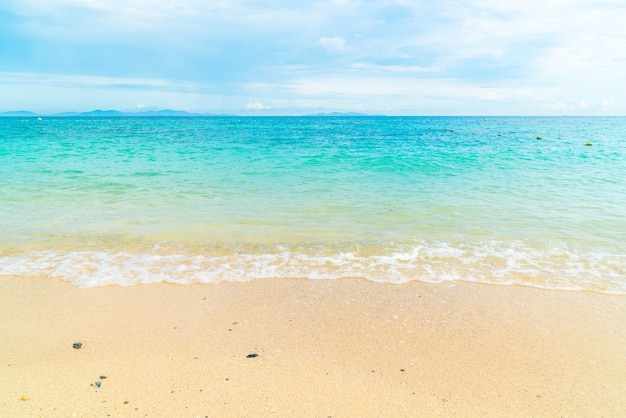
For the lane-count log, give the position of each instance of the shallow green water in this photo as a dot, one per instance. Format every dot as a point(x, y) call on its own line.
point(136, 200)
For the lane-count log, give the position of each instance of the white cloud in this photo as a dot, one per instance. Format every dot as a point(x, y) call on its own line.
point(334, 44)
point(256, 106)
point(609, 103)
point(576, 105)
point(530, 56)
point(558, 105)
point(403, 94)
point(49, 93)
point(66, 80)
point(393, 68)
point(373, 88)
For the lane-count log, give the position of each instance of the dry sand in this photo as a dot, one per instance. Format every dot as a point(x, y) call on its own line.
point(345, 348)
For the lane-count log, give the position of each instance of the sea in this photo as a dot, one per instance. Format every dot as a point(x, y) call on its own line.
point(531, 201)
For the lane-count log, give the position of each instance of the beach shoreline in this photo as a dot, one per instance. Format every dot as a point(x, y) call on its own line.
point(325, 348)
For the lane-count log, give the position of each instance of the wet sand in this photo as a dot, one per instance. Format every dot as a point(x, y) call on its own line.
point(342, 348)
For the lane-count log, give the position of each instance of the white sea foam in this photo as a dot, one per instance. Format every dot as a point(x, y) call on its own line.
point(489, 262)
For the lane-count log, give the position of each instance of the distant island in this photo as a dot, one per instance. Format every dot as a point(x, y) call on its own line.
point(18, 113)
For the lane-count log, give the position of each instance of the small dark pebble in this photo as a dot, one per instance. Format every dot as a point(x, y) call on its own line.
point(77, 345)
point(96, 384)
point(253, 355)
point(103, 377)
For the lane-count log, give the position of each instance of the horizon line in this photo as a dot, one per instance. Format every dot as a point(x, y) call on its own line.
point(184, 113)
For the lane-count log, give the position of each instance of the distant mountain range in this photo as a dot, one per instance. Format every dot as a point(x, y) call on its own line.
point(147, 113)
point(16, 113)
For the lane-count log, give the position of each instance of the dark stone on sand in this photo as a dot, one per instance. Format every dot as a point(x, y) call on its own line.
point(77, 345)
point(96, 384)
point(253, 355)
point(103, 377)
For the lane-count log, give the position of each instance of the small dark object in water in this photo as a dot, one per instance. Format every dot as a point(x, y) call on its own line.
point(77, 345)
point(253, 355)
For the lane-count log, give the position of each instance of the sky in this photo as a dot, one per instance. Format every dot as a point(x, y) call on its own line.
point(293, 57)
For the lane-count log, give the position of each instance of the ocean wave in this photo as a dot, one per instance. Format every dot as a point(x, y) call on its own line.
point(510, 263)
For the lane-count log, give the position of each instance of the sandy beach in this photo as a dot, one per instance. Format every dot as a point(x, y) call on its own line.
point(342, 348)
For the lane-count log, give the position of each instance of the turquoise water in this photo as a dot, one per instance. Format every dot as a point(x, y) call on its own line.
point(389, 199)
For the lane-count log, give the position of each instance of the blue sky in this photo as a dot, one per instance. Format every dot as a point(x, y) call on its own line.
point(396, 57)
